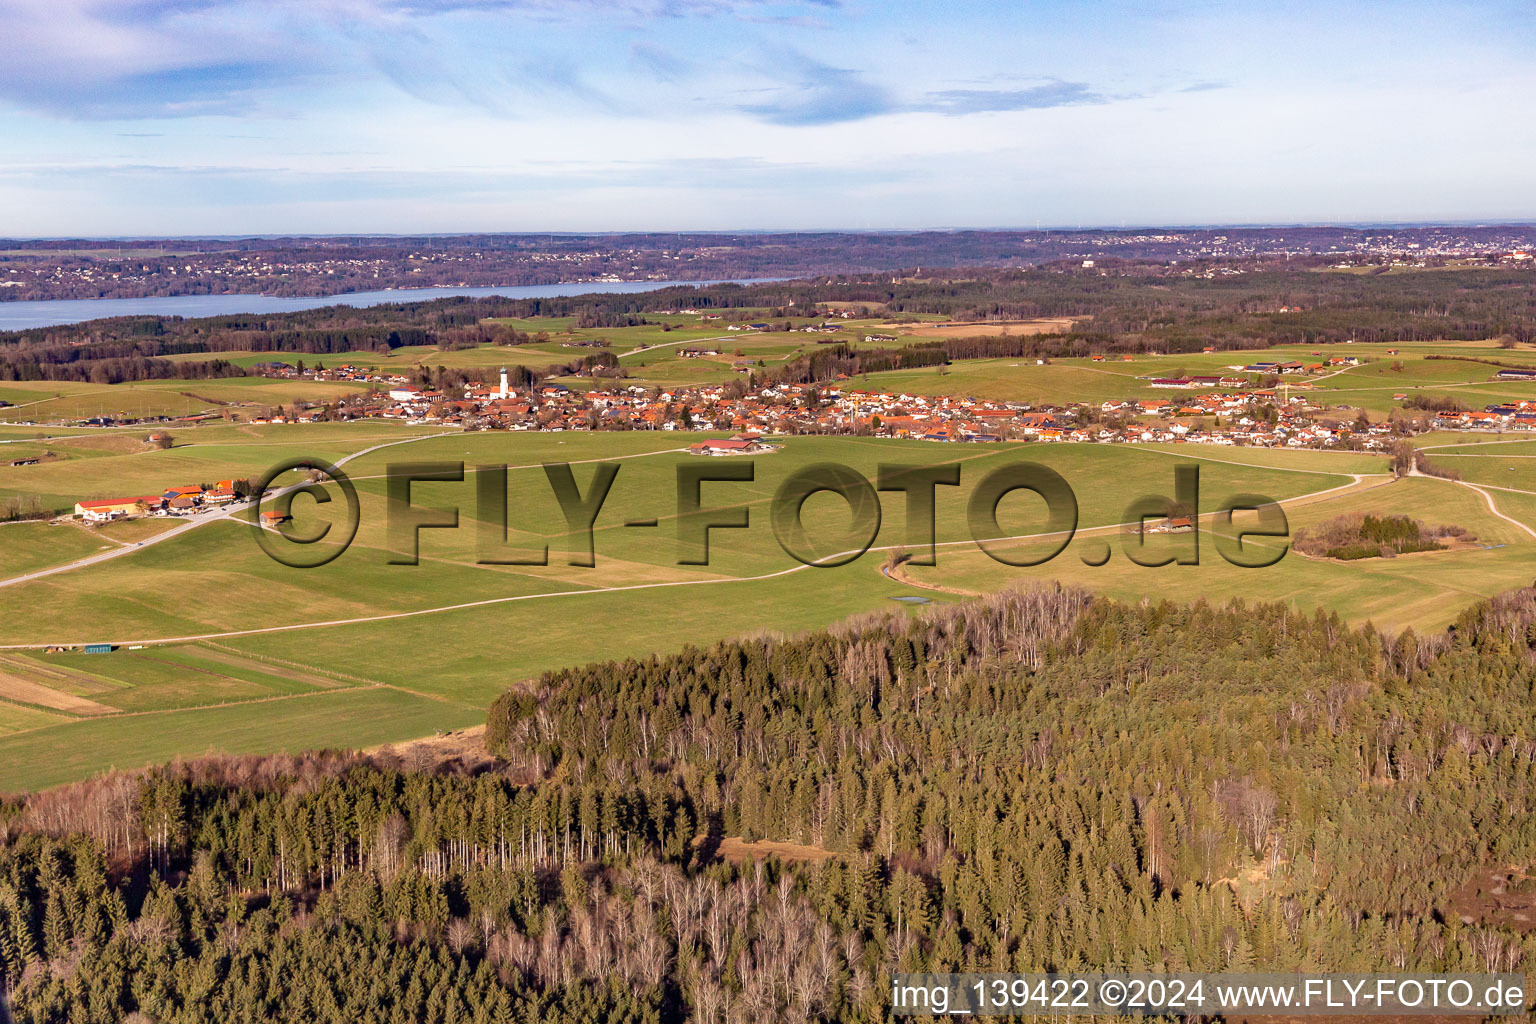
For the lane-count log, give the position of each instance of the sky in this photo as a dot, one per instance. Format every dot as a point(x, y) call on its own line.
point(220, 117)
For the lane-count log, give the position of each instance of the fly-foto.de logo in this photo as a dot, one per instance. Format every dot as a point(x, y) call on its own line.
point(1154, 529)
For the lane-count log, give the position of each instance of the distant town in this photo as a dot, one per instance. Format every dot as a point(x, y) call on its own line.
point(118, 268)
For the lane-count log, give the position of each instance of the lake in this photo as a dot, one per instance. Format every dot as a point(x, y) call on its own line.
point(16, 316)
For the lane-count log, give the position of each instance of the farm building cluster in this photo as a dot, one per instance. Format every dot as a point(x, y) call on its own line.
point(185, 500)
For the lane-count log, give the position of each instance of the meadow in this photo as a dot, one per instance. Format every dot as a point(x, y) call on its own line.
point(1424, 591)
point(46, 401)
point(437, 640)
point(1369, 386)
point(241, 653)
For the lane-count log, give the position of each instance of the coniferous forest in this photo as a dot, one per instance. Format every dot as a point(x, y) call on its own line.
point(766, 829)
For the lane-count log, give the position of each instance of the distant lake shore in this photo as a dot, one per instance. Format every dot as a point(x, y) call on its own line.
point(19, 316)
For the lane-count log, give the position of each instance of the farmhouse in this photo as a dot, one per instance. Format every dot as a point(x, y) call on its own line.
point(114, 508)
point(1513, 374)
point(1173, 524)
point(746, 446)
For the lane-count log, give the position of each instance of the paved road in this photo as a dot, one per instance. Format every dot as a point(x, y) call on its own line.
point(199, 519)
point(685, 341)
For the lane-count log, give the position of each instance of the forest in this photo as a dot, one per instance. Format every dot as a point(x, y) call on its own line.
point(1038, 780)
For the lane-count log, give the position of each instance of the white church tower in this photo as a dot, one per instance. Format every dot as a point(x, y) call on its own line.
point(505, 392)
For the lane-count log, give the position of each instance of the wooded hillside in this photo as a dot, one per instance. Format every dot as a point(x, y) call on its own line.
point(1040, 780)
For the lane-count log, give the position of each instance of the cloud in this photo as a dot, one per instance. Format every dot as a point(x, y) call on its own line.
point(128, 59)
point(751, 10)
point(957, 102)
point(821, 94)
point(662, 65)
point(98, 59)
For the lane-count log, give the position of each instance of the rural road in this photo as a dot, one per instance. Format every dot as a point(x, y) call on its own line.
point(1486, 497)
point(685, 341)
point(1495, 509)
point(202, 519)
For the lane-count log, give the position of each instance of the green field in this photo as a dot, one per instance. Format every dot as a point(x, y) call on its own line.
point(242, 653)
point(501, 623)
point(51, 754)
point(650, 357)
point(1424, 591)
point(105, 464)
point(1369, 386)
point(48, 401)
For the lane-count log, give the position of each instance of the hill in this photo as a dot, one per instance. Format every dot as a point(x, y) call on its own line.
point(1037, 781)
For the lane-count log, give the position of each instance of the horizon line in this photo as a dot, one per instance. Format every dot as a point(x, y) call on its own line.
point(1360, 225)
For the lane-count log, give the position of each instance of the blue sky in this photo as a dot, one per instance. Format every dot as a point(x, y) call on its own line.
point(167, 117)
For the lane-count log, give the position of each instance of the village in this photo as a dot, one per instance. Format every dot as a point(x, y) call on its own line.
point(1229, 409)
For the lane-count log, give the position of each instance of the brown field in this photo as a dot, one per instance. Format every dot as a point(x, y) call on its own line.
point(968, 329)
point(131, 531)
point(13, 687)
point(117, 444)
point(459, 749)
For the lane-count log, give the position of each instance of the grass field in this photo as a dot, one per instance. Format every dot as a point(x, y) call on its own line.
point(650, 357)
point(106, 464)
point(55, 753)
point(505, 622)
point(362, 651)
point(25, 546)
point(1424, 591)
point(46, 401)
point(1369, 386)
